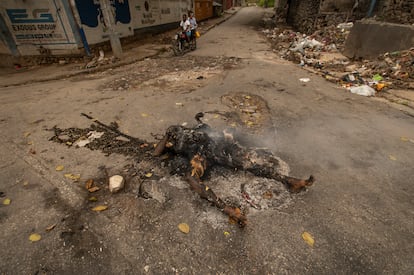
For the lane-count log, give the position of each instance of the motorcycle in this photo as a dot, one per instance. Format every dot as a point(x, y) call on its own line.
point(180, 44)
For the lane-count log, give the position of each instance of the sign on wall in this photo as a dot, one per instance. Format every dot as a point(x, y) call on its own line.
point(38, 22)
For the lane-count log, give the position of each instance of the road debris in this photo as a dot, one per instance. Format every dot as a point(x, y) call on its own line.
point(308, 238)
point(116, 183)
point(90, 136)
point(6, 201)
point(183, 227)
point(100, 208)
point(35, 237)
point(320, 53)
point(364, 90)
point(50, 227)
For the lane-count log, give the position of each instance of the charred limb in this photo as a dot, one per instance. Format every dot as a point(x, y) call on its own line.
point(208, 194)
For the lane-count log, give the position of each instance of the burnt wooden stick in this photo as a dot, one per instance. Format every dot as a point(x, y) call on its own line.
point(160, 146)
point(206, 193)
point(108, 127)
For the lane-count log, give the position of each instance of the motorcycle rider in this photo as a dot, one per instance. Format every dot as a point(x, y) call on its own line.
point(193, 24)
point(186, 27)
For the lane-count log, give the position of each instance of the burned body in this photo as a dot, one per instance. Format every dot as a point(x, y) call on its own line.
point(197, 149)
point(201, 145)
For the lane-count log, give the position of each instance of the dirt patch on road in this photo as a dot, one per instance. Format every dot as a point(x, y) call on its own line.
point(252, 111)
point(168, 75)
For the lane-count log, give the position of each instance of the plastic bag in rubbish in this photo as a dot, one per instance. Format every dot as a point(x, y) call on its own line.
point(364, 90)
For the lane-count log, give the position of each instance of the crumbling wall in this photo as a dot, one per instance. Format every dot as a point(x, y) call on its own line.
point(301, 14)
point(395, 11)
point(308, 15)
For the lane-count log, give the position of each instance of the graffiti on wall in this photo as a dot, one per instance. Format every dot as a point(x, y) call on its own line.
point(91, 14)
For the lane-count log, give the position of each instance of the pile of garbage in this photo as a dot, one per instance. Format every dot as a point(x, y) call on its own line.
point(320, 52)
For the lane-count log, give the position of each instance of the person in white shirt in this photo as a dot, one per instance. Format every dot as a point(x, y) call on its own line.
point(186, 27)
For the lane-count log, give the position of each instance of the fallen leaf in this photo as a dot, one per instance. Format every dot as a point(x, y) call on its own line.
point(148, 175)
point(308, 238)
point(30, 143)
point(6, 201)
point(404, 139)
point(250, 123)
point(226, 233)
point(50, 227)
point(184, 228)
point(380, 86)
point(247, 97)
point(25, 183)
point(59, 167)
point(27, 134)
point(216, 116)
point(392, 157)
point(34, 237)
point(74, 177)
point(100, 208)
point(94, 189)
point(144, 115)
point(69, 143)
point(207, 188)
point(89, 184)
point(92, 199)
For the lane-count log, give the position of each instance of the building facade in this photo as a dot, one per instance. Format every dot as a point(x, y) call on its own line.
point(61, 27)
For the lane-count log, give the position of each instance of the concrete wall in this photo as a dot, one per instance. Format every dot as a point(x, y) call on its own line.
point(131, 15)
point(39, 27)
point(368, 39)
point(48, 27)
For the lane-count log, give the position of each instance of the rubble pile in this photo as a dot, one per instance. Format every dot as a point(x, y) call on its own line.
point(320, 52)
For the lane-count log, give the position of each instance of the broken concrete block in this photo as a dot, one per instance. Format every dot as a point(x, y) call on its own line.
point(116, 183)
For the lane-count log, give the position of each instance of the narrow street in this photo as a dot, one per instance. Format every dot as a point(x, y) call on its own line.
point(360, 150)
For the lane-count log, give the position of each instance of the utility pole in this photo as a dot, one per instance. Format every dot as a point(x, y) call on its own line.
point(109, 19)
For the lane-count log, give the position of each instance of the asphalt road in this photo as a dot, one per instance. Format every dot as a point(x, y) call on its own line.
point(359, 211)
